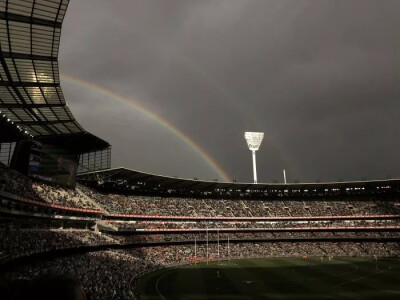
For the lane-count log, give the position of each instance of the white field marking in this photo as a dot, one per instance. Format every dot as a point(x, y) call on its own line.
point(350, 281)
point(158, 291)
point(229, 264)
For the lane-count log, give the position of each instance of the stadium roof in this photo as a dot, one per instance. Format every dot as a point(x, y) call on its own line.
point(30, 91)
point(133, 178)
point(9, 132)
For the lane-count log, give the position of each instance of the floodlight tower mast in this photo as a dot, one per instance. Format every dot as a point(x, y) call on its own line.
point(254, 140)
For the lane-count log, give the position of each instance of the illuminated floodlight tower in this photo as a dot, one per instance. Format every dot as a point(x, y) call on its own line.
point(254, 140)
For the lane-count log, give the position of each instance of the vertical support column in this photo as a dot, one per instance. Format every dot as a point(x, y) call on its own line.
point(207, 246)
point(229, 255)
point(254, 166)
point(9, 153)
point(218, 243)
point(1, 152)
point(109, 158)
point(195, 251)
point(101, 159)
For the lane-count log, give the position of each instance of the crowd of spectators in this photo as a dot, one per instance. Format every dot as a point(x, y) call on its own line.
point(256, 208)
point(103, 274)
point(63, 196)
point(25, 241)
point(113, 274)
point(158, 206)
point(195, 225)
point(15, 183)
point(15, 223)
point(110, 202)
point(246, 235)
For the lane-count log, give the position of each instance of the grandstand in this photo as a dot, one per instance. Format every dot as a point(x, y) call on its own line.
point(131, 230)
point(65, 211)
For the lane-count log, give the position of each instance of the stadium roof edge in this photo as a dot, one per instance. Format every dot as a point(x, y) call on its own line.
point(31, 96)
point(129, 174)
point(86, 141)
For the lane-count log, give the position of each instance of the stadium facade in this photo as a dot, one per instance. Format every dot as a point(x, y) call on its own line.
point(59, 196)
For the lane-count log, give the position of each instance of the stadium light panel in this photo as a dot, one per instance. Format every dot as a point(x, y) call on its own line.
point(254, 140)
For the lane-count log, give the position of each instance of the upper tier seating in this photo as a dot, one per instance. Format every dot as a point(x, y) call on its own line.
point(157, 206)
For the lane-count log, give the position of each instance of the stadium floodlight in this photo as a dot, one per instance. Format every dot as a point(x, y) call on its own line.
point(254, 140)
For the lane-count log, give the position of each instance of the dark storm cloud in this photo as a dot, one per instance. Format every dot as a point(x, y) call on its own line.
point(320, 78)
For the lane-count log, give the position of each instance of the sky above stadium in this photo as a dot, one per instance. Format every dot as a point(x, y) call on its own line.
point(173, 85)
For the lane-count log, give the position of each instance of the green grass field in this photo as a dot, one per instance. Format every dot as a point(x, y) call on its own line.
point(277, 278)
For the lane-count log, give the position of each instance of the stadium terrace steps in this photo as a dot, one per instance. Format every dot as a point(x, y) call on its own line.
point(90, 200)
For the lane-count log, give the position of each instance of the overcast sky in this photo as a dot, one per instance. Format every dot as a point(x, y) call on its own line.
point(320, 78)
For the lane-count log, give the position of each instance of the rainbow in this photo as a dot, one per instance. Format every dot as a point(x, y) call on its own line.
point(156, 118)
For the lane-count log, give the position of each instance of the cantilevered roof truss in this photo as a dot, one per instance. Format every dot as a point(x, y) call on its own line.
point(30, 92)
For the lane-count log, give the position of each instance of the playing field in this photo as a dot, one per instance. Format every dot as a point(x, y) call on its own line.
point(277, 278)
